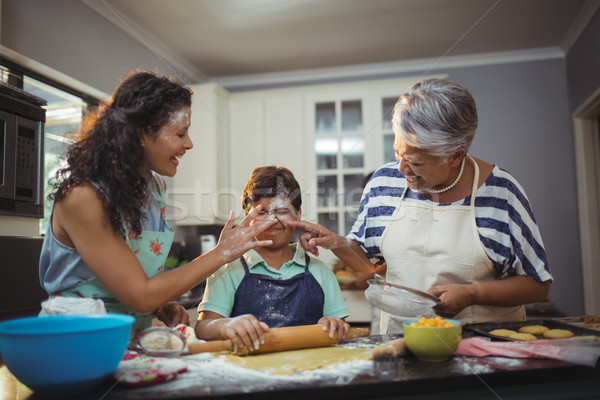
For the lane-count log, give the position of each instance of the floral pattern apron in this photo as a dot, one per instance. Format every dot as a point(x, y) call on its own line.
point(151, 248)
point(428, 245)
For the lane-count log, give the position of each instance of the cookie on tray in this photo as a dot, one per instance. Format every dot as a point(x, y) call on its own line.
point(523, 336)
point(502, 332)
point(558, 334)
point(533, 329)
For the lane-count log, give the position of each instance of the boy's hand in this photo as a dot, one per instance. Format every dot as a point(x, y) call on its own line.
point(333, 325)
point(245, 331)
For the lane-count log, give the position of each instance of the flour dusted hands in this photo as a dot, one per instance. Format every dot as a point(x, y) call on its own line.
point(234, 241)
point(333, 325)
point(244, 331)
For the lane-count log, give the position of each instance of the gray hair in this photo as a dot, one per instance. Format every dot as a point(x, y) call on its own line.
point(437, 115)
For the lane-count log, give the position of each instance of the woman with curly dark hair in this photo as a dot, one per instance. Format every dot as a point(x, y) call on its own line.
point(107, 237)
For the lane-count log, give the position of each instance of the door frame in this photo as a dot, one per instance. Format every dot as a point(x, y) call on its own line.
point(586, 134)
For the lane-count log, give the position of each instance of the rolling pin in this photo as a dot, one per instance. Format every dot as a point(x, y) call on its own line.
point(280, 339)
point(395, 348)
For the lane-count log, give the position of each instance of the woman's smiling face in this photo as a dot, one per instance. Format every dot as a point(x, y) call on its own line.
point(421, 169)
point(170, 143)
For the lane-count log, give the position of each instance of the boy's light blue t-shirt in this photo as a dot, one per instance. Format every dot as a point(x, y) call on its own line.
point(223, 284)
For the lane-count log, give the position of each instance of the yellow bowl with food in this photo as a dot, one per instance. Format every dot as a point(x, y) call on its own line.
point(434, 339)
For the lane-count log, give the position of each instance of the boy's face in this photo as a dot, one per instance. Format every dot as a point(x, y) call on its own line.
point(283, 210)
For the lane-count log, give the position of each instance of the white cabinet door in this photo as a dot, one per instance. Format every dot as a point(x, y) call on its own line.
point(264, 131)
point(197, 196)
point(284, 140)
point(246, 135)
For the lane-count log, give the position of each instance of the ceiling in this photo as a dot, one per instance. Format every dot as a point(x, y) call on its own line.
point(207, 39)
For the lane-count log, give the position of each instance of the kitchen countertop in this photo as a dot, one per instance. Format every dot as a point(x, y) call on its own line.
point(407, 377)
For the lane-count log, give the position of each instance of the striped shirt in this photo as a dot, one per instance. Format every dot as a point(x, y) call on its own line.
point(504, 218)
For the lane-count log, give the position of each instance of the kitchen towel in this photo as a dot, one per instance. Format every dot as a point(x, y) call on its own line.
point(136, 369)
point(583, 350)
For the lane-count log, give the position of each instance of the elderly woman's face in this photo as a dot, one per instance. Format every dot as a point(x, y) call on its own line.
point(421, 169)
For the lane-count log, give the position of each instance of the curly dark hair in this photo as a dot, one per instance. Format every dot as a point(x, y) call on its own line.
point(109, 152)
point(271, 181)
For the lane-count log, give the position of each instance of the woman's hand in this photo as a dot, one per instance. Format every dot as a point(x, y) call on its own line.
point(245, 331)
point(317, 235)
point(511, 291)
point(173, 314)
point(333, 325)
point(454, 299)
point(237, 240)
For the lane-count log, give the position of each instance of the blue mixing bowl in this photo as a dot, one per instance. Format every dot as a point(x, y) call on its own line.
point(67, 354)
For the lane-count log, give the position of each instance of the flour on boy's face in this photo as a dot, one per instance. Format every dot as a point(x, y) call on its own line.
point(282, 209)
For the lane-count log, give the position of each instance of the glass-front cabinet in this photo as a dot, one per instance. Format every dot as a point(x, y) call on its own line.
point(351, 135)
point(387, 109)
point(339, 148)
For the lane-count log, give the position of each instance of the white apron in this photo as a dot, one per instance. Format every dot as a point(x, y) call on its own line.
point(427, 245)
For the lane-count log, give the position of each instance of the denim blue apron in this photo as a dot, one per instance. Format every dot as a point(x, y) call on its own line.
point(280, 302)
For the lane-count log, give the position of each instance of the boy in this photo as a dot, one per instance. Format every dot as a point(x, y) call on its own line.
point(274, 286)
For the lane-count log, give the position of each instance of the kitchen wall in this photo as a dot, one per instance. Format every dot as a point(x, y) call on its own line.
point(72, 38)
point(524, 106)
point(583, 64)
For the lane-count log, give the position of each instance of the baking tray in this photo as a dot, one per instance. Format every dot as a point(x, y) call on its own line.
point(485, 328)
point(586, 321)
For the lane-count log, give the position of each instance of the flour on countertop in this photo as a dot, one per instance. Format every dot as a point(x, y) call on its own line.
point(484, 365)
point(214, 374)
point(505, 362)
point(470, 366)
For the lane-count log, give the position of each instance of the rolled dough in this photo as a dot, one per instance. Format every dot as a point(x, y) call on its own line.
point(287, 362)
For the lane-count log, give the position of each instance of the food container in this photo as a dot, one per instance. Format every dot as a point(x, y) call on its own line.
point(435, 343)
point(64, 355)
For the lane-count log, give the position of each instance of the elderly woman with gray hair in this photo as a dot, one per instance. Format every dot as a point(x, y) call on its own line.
point(444, 222)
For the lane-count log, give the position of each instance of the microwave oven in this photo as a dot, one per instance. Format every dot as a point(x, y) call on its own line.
point(22, 119)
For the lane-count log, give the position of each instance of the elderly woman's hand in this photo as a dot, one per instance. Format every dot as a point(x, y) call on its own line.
point(454, 299)
point(317, 235)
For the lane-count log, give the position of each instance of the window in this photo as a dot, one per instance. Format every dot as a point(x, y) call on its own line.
point(64, 112)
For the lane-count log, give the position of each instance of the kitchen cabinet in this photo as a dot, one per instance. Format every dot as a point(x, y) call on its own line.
point(199, 195)
point(349, 130)
point(266, 128)
point(330, 136)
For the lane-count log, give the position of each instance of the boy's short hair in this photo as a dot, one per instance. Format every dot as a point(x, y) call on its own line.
point(271, 181)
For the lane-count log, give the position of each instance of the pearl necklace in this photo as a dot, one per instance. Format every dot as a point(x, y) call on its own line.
point(436, 191)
